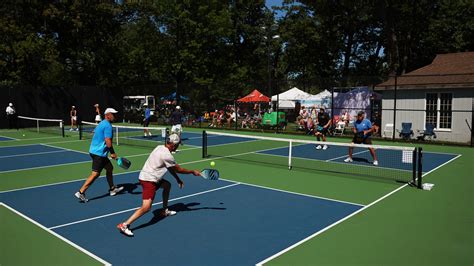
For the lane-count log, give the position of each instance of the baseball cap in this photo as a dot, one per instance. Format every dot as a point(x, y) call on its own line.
point(178, 107)
point(145, 104)
point(10, 104)
point(110, 110)
point(361, 113)
point(174, 139)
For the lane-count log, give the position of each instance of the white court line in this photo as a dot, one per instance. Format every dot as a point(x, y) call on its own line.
point(132, 209)
point(90, 254)
point(8, 138)
point(343, 219)
point(27, 139)
point(346, 155)
point(28, 154)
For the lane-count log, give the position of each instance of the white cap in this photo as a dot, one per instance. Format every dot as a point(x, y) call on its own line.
point(73, 106)
point(174, 139)
point(10, 104)
point(96, 105)
point(145, 104)
point(110, 110)
point(178, 107)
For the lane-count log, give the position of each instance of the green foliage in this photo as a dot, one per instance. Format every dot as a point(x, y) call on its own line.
point(216, 51)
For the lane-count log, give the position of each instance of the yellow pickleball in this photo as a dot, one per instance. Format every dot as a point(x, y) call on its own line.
point(213, 164)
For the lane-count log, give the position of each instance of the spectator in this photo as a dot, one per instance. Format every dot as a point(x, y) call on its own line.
point(11, 116)
point(73, 115)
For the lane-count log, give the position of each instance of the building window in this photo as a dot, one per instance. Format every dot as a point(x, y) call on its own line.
point(439, 110)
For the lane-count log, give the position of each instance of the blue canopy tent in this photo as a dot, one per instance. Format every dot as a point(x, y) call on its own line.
point(172, 97)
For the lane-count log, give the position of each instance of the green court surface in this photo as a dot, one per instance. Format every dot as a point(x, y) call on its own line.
point(399, 225)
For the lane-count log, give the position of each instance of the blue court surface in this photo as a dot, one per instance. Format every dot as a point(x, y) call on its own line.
point(3, 138)
point(37, 155)
point(218, 222)
point(388, 159)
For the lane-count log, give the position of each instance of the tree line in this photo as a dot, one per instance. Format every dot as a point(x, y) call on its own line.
point(211, 50)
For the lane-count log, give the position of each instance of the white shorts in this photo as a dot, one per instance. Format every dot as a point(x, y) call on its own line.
point(177, 129)
point(97, 118)
point(74, 118)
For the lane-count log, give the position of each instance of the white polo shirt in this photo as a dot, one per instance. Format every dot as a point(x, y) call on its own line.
point(156, 165)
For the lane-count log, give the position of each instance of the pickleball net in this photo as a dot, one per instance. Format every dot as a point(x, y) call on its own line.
point(128, 135)
point(42, 125)
point(395, 163)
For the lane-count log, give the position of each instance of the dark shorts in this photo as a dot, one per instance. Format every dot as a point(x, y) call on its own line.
point(362, 140)
point(99, 163)
point(149, 189)
point(322, 131)
point(146, 122)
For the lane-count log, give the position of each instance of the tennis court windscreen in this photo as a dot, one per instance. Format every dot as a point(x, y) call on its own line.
point(332, 158)
point(129, 135)
point(42, 125)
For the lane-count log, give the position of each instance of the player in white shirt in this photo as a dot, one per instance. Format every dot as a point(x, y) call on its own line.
point(151, 178)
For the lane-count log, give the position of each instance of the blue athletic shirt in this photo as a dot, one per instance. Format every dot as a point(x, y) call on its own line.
point(362, 125)
point(147, 113)
point(102, 130)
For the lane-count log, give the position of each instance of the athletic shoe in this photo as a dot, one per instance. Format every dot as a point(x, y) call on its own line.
point(149, 134)
point(325, 147)
point(167, 212)
point(71, 129)
point(348, 160)
point(319, 147)
point(376, 162)
point(115, 190)
point(123, 228)
point(81, 196)
point(77, 129)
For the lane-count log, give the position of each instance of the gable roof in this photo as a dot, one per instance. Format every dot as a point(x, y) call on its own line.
point(454, 70)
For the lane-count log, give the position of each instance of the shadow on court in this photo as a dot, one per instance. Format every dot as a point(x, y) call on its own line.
point(127, 188)
point(178, 207)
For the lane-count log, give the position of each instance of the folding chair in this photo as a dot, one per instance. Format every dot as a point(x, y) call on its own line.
point(406, 133)
point(339, 129)
point(428, 133)
point(388, 131)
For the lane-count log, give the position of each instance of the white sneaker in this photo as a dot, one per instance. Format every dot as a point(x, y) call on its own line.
point(149, 134)
point(81, 197)
point(318, 147)
point(114, 191)
point(325, 147)
point(348, 160)
point(123, 228)
point(71, 129)
point(77, 129)
point(376, 162)
point(167, 212)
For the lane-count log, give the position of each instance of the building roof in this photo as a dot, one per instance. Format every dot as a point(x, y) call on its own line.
point(454, 70)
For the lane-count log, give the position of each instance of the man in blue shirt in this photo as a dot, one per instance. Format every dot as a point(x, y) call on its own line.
point(101, 145)
point(362, 131)
point(146, 121)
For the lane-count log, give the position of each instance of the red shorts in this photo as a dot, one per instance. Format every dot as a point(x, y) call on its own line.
point(149, 189)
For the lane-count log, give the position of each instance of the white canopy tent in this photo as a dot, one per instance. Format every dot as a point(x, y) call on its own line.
point(288, 99)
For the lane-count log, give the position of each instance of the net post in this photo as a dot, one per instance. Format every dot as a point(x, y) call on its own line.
point(61, 125)
point(80, 131)
point(420, 167)
point(415, 154)
point(204, 144)
point(290, 149)
point(38, 126)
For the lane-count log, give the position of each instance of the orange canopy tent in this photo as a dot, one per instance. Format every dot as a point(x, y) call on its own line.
point(254, 97)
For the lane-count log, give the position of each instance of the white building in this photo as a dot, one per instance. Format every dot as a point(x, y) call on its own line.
point(441, 94)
